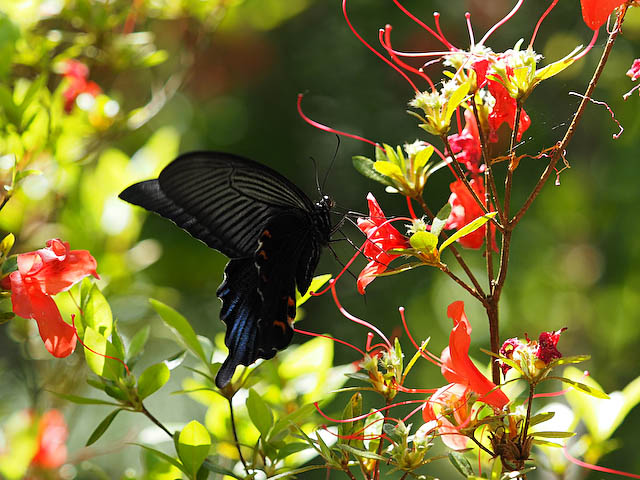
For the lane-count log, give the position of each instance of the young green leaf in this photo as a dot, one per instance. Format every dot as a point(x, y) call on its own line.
point(459, 461)
point(260, 413)
point(102, 427)
point(97, 358)
point(441, 219)
point(181, 327)
point(97, 313)
point(139, 340)
point(467, 229)
point(152, 379)
point(365, 167)
point(194, 443)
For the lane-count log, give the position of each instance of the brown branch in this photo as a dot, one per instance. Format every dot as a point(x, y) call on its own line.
point(562, 145)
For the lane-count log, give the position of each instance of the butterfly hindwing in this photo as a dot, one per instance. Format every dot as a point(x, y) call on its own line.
point(258, 300)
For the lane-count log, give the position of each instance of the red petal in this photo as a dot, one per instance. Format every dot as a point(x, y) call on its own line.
point(596, 12)
point(52, 435)
point(29, 302)
point(458, 367)
point(634, 71)
point(62, 267)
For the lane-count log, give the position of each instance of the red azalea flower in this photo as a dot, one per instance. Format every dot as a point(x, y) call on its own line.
point(381, 237)
point(634, 71)
point(458, 368)
point(450, 399)
point(596, 12)
point(466, 144)
point(504, 110)
point(464, 210)
point(547, 343)
point(40, 275)
point(77, 73)
point(52, 435)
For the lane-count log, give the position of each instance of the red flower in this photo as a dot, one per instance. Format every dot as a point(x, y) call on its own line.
point(458, 368)
point(466, 144)
point(450, 399)
point(77, 73)
point(52, 435)
point(536, 355)
point(547, 343)
point(40, 275)
point(381, 237)
point(465, 209)
point(504, 110)
point(634, 71)
point(596, 12)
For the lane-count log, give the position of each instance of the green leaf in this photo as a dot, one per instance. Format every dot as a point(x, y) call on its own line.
point(467, 229)
point(102, 427)
point(212, 467)
point(358, 453)
point(569, 360)
point(83, 400)
point(594, 392)
point(98, 362)
point(441, 219)
point(496, 469)
point(541, 418)
point(545, 443)
point(181, 327)
point(556, 67)
point(164, 457)
point(290, 449)
point(302, 414)
point(152, 379)
point(194, 443)
point(422, 157)
point(459, 461)
point(365, 167)
point(391, 155)
point(260, 413)
point(456, 99)
point(553, 434)
point(139, 340)
point(317, 282)
point(97, 313)
point(389, 169)
point(7, 244)
point(352, 409)
point(174, 361)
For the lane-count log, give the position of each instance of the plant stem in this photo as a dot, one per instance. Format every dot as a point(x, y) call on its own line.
point(487, 162)
point(461, 176)
point(235, 436)
point(454, 250)
point(494, 336)
point(459, 281)
point(148, 414)
point(349, 473)
point(525, 430)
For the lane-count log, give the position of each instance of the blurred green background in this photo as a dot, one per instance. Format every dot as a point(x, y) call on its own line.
point(230, 79)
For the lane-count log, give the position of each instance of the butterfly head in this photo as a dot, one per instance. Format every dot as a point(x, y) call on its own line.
point(325, 203)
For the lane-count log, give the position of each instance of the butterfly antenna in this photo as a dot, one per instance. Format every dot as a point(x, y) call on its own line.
point(335, 155)
point(315, 169)
point(340, 262)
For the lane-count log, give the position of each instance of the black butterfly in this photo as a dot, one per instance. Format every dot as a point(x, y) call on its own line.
point(272, 232)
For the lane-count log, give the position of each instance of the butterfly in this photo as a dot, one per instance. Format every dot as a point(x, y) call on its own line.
point(269, 228)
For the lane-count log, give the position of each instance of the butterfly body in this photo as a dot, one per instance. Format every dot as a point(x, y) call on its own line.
point(271, 231)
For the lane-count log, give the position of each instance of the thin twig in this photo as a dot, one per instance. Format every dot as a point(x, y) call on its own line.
point(562, 145)
point(454, 250)
point(459, 281)
point(156, 421)
point(235, 436)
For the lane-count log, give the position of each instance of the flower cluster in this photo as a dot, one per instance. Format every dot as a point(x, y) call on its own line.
point(531, 355)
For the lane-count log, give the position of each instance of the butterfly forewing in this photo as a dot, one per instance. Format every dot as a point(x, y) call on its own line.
point(269, 228)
